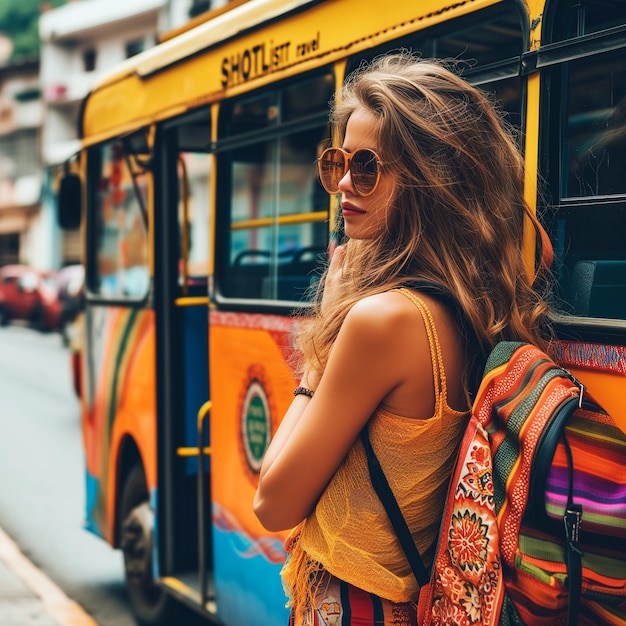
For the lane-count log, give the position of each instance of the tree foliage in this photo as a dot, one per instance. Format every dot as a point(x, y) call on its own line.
point(19, 20)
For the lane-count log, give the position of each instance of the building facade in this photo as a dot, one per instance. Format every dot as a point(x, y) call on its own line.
point(21, 115)
point(39, 109)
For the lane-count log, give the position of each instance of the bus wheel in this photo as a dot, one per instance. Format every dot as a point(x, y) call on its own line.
point(150, 604)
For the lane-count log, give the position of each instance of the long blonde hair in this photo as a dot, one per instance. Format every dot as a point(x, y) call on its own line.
point(458, 214)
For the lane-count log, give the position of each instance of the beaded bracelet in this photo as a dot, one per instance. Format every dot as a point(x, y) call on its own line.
point(303, 391)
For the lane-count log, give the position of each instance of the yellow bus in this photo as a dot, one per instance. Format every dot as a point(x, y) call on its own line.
point(204, 226)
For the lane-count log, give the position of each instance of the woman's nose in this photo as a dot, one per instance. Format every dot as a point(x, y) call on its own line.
point(345, 184)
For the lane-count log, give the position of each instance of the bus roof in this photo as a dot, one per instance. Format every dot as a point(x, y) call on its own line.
point(219, 29)
point(249, 45)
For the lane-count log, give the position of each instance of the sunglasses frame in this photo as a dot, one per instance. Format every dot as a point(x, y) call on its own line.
point(347, 160)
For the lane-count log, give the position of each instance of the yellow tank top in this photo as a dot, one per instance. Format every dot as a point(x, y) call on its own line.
point(349, 534)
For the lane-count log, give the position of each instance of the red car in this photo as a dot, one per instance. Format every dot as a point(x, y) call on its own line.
point(29, 294)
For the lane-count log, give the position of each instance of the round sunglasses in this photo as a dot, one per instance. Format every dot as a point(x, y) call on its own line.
point(364, 166)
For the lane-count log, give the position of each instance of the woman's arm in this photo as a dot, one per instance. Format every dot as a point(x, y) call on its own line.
point(332, 281)
point(367, 363)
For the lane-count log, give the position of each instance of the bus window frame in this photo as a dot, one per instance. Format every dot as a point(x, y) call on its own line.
point(222, 149)
point(93, 170)
point(167, 132)
point(549, 60)
point(508, 67)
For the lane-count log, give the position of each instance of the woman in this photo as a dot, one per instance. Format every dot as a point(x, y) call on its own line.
point(431, 277)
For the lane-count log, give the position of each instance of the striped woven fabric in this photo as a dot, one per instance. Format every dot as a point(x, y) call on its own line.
point(599, 483)
point(529, 409)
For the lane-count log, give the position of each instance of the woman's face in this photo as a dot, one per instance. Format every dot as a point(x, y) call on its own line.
point(364, 216)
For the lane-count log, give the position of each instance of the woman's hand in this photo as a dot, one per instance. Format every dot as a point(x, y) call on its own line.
point(335, 278)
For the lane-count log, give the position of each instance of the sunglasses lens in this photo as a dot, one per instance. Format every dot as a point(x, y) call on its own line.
point(332, 168)
point(364, 170)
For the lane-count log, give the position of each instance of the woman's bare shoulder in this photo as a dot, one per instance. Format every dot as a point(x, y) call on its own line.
point(390, 309)
point(384, 325)
point(382, 309)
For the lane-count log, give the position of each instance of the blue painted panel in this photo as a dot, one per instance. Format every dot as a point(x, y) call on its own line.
point(247, 578)
point(196, 364)
point(91, 494)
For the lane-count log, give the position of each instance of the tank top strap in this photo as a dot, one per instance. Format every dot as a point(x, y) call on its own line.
point(436, 358)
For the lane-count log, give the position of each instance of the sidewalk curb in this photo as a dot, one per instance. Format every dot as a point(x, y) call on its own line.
point(56, 604)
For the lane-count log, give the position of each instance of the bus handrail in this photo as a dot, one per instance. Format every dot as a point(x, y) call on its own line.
point(203, 413)
point(298, 218)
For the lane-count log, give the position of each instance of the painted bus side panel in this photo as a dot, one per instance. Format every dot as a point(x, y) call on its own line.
point(119, 401)
point(247, 575)
point(251, 389)
point(602, 369)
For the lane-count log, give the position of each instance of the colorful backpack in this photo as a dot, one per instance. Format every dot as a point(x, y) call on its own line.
point(534, 530)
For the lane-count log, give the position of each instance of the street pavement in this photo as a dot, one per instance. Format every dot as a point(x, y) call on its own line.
point(28, 597)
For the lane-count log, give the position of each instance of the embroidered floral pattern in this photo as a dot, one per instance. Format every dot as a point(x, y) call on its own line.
point(467, 574)
point(478, 479)
point(468, 541)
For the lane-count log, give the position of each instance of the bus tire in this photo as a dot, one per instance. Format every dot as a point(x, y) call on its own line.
point(150, 604)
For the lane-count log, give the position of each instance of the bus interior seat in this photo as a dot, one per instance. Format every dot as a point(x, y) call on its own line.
point(292, 288)
point(249, 276)
point(295, 277)
point(598, 288)
point(246, 281)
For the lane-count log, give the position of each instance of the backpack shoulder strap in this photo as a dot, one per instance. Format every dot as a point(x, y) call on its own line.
point(389, 502)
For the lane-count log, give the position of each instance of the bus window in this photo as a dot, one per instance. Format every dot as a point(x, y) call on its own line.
point(194, 175)
point(490, 37)
point(594, 145)
point(278, 213)
point(508, 95)
point(587, 139)
point(270, 259)
point(489, 47)
point(253, 114)
point(577, 18)
point(120, 223)
point(485, 48)
point(189, 147)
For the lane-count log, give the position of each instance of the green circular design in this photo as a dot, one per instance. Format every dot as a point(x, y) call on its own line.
point(257, 435)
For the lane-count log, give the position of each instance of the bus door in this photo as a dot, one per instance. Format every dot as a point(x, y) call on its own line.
point(184, 554)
